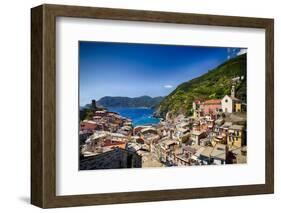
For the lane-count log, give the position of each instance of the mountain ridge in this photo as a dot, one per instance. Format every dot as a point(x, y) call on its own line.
point(214, 84)
point(122, 101)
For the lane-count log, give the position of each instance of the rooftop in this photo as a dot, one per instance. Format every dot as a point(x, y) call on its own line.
point(101, 111)
point(219, 151)
point(192, 149)
point(212, 101)
point(113, 143)
point(226, 125)
point(199, 151)
point(207, 151)
point(196, 132)
point(168, 142)
point(89, 121)
point(148, 129)
point(236, 127)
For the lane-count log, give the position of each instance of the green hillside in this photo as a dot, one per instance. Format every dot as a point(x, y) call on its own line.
point(213, 85)
point(142, 101)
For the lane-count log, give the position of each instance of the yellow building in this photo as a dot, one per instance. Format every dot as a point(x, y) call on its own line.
point(236, 136)
point(238, 107)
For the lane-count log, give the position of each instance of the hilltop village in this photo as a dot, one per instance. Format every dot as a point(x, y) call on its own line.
point(215, 134)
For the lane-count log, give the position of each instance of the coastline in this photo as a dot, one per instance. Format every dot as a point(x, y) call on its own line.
point(138, 115)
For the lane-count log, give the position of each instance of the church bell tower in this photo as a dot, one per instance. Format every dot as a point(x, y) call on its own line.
point(233, 91)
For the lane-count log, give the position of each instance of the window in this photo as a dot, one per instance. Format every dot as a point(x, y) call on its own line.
point(226, 100)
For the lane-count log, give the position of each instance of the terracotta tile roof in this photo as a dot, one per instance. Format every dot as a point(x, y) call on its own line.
point(85, 125)
point(109, 142)
point(213, 101)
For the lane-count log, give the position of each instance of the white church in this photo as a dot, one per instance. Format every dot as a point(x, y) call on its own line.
point(230, 103)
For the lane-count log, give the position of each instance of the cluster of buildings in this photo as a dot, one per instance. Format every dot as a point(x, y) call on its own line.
point(106, 121)
point(103, 141)
point(228, 104)
point(203, 141)
point(214, 135)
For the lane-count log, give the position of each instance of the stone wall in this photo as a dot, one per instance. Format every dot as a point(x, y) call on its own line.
point(115, 159)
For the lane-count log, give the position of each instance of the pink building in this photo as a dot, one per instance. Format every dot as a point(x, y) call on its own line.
point(88, 125)
point(210, 107)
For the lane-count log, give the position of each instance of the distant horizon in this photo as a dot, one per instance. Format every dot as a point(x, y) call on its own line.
point(135, 70)
point(121, 97)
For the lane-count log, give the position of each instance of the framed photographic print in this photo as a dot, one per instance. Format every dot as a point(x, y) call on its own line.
point(137, 106)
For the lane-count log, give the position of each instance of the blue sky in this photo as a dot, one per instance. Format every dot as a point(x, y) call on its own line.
point(132, 70)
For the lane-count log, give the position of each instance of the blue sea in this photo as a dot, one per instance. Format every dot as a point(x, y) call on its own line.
point(139, 116)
